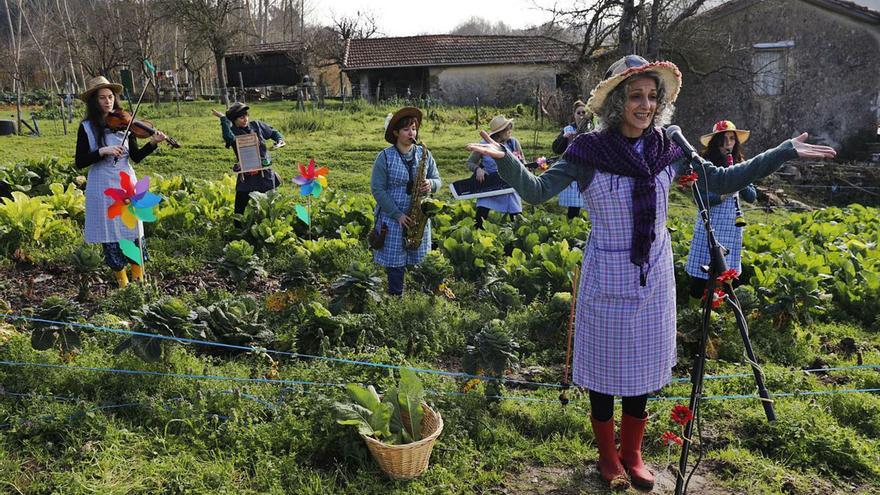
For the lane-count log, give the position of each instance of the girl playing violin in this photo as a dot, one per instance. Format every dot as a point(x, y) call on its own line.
point(102, 150)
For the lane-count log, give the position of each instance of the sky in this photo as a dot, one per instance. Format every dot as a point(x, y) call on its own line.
point(398, 18)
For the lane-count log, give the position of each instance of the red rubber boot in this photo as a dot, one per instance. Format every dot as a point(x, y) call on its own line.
point(609, 463)
point(632, 430)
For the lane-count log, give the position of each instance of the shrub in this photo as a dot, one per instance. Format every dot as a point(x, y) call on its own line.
point(421, 324)
point(46, 335)
point(236, 321)
point(431, 272)
point(240, 262)
point(169, 317)
point(353, 290)
point(492, 352)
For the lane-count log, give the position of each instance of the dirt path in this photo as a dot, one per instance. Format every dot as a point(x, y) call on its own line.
point(551, 480)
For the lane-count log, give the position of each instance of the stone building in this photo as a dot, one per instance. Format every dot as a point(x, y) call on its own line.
point(499, 70)
point(784, 66)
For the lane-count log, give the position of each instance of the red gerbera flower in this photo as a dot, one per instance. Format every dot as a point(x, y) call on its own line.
point(688, 180)
point(681, 414)
point(727, 276)
point(717, 297)
point(668, 438)
point(721, 125)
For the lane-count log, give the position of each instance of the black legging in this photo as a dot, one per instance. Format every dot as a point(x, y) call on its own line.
point(602, 406)
point(483, 213)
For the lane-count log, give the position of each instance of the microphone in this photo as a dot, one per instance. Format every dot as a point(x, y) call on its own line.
point(673, 132)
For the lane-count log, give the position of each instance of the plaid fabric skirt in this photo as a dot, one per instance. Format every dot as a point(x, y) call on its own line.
point(570, 196)
point(722, 218)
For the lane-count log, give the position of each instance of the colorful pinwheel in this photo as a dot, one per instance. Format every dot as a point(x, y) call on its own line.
point(132, 202)
point(311, 180)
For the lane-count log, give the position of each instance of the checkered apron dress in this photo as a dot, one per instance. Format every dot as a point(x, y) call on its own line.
point(723, 218)
point(506, 203)
point(393, 253)
point(570, 196)
point(624, 333)
point(104, 174)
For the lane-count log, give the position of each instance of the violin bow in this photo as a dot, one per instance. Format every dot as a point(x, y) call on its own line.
point(134, 112)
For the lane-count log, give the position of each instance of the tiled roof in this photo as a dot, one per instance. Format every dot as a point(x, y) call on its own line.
point(451, 50)
point(845, 7)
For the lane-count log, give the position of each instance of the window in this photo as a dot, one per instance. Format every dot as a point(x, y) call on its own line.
point(768, 67)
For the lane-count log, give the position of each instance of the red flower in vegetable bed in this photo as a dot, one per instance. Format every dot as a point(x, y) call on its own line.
point(681, 414)
point(669, 438)
point(727, 276)
point(717, 297)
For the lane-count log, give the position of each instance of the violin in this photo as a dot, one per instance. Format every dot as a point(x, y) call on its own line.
point(119, 119)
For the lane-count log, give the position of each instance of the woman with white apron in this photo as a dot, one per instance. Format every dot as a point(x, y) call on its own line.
point(104, 152)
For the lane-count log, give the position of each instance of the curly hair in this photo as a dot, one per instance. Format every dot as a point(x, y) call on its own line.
point(611, 113)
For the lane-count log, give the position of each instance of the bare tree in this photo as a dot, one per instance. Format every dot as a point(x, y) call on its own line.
point(476, 25)
point(15, 44)
point(218, 23)
point(329, 42)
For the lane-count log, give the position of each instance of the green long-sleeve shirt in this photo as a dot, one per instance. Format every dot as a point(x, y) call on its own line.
point(722, 180)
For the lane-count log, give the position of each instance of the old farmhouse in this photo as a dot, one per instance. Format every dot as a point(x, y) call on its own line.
point(456, 69)
point(785, 66)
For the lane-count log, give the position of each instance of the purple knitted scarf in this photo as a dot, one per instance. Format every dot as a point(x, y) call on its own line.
point(610, 152)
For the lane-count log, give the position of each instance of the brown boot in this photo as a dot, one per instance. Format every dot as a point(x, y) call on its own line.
point(632, 429)
point(609, 463)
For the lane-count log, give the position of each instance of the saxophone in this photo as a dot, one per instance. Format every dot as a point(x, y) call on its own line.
point(412, 237)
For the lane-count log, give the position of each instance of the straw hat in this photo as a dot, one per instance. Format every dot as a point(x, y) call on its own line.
point(236, 110)
point(97, 83)
point(498, 124)
point(398, 115)
point(724, 126)
point(631, 65)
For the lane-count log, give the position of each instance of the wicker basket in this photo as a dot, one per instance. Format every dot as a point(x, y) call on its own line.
point(405, 462)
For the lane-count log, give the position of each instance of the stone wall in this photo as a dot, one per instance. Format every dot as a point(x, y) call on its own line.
point(831, 77)
point(493, 84)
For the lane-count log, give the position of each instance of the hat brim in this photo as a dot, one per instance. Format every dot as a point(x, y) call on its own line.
point(741, 134)
point(116, 88)
point(507, 123)
point(668, 72)
point(398, 115)
point(238, 112)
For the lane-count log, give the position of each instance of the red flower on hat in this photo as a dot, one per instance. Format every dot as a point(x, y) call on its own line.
point(681, 414)
point(717, 297)
point(727, 276)
point(669, 438)
point(688, 180)
point(721, 125)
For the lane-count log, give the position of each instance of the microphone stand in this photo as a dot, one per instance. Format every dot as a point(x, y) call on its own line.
point(717, 266)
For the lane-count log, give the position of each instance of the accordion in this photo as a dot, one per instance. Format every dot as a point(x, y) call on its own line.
point(492, 185)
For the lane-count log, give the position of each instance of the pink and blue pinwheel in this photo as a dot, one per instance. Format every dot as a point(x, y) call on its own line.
point(312, 180)
point(132, 202)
